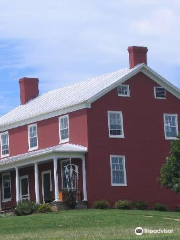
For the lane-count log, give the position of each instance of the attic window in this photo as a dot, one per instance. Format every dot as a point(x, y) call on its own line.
point(123, 91)
point(159, 92)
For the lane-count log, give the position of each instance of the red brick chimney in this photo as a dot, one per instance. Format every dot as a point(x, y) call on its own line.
point(28, 89)
point(137, 55)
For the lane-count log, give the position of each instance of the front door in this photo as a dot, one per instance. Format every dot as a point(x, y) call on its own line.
point(24, 188)
point(46, 186)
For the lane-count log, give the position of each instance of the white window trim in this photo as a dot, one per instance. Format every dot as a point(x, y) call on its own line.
point(155, 93)
point(5, 199)
point(128, 91)
point(29, 126)
point(61, 162)
point(125, 176)
point(5, 155)
point(20, 178)
point(64, 140)
point(177, 131)
point(42, 177)
point(116, 136)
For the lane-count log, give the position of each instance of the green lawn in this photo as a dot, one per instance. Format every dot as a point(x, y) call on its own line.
point(90, 224)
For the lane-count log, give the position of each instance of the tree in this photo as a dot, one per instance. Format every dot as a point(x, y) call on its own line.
point(170, 172)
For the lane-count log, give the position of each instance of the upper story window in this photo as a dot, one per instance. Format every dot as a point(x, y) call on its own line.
point(123, 91)
point(64, 128)
point(115, 122)
point(159, 92)
point(6, 187)
point(118, 171)
point(4, 144)
point(33, 137)
point(170, 126)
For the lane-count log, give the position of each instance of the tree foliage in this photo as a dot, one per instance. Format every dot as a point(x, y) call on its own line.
point(170, 172)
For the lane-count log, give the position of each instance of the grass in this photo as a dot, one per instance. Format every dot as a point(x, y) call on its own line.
point(90, 224)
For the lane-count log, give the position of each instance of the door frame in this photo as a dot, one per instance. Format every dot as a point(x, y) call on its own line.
point(43, 173)
point(20, 178)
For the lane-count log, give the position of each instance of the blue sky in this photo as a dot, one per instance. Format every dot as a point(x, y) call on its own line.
point(65, 41)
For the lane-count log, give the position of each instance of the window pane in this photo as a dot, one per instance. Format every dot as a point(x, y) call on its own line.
point(24, 186)
point(170, 126)
point(118, 174)
point(115, 124)
point(160, 92)
point(64, 128)
point(123, 90)
point(6, 186)
point(33, 136)
point(5, 144)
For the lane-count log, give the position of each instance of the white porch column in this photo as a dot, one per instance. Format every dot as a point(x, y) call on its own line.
point(36, 176)
point(56, 181)
point(84, 178)
point(0, 196)
point(17, 185)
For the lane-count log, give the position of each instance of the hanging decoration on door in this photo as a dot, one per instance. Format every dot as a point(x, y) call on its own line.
point(71, 174)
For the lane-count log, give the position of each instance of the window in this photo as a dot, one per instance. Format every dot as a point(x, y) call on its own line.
point(118, 171)
point(33, 137)
point(159, 92)
point(64, 128)
point(123, 91)
point(115, 122)
point(24, 188)
point(4, 144)
point(170, 126)
point(6, 187)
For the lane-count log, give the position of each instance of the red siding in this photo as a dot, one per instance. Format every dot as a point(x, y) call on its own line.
point(48, 133)
point(144, 145)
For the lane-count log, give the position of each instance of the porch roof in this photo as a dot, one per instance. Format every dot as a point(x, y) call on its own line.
point(63, 148)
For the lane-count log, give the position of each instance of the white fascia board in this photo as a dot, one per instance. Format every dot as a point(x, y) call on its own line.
point(45, 116)
point(40, 159)
point(161, 81)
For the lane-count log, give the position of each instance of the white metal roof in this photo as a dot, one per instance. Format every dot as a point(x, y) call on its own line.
point(73, 148)
point(74, 97)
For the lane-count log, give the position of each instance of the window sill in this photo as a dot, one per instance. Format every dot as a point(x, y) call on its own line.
point(170, 138)
point(64, 141)
point(119, 185)
point(116, 136)
point(32, 149)
point(3, 156)
point(123, 95)
point(6, 200)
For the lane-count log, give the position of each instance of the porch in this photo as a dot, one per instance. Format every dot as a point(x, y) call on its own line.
point(44, 176)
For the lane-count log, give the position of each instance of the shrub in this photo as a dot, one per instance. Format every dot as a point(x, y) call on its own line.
point(177, 209)
point(122, 204)
point(140, 205)
point(71, 199)
point(101, 204)
point(43, 208)
point(160, 207)
point(25, 208)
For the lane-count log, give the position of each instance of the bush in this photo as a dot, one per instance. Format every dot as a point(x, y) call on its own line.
point(101, 204)
point(71, 199)
point(177, 209)
point(160, 207)
point(122, 204)
point(44, 208)
point(25, 208)
point(140, 205)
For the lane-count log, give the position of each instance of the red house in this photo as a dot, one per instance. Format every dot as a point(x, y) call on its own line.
point(105, 138)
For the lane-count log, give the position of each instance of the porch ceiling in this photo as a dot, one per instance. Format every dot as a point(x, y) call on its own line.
point(63, 148)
